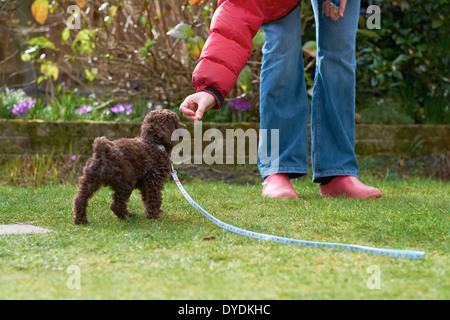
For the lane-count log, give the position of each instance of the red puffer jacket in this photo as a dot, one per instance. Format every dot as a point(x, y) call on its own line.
point(227, 49)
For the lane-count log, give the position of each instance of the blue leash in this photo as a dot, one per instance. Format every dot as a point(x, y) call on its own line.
point(416, 255)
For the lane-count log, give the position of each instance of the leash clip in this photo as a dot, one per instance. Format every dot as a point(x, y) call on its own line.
point(172, 168)
point(163, 149)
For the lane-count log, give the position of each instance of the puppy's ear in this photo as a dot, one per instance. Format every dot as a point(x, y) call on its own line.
point(158, 127)
point(147, 127)
point(181, 126)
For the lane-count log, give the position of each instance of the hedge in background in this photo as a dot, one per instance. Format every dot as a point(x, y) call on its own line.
point(407, 59)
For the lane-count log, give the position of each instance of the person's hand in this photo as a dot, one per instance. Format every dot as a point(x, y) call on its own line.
point(195, 105)
point(329, 11)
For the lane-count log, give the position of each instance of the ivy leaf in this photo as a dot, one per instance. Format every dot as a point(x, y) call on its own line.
point(397, 74)
point(65, 34)
point(103, 6)
point(150, 43)
point(402, 57)
point(181, 31)
point(83, 41)
point(258, 39)
point(245, 79)
point(25, 57)
point(39, 10)
point(310, 48)
point(90, 75)
point(195, 46)
point(40, 79)
point(42, 42)
point(49, 69)
point(29, 53)
point(84, 35)
point(143, 52)
point(436, 23)
point(113, 11)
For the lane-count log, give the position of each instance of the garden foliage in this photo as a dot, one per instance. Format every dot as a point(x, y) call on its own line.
point(122, 50)
point(407, 59)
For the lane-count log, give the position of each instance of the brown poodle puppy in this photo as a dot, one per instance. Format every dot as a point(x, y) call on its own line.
point(128, 164)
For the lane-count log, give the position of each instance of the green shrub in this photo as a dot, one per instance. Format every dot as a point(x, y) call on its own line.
point(407, 58)
point(132, 49)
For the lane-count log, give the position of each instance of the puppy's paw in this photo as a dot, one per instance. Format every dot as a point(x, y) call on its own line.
point(153, 215)
point(83, 220)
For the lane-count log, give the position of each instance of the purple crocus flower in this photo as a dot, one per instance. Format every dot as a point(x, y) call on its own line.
point(239, 104)
point(84, 110)
point(22, 107)
point(122, 108)
point(73, 157)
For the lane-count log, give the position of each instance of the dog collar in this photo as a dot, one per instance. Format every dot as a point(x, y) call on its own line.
point(163, 149)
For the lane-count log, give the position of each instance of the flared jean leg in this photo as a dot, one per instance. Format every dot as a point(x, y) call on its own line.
point(284, 107)
point(333, 101)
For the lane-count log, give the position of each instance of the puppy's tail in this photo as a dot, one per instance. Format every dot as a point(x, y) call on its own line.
point(102, 145)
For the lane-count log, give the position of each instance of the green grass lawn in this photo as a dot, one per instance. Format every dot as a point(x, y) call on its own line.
point(169, 259)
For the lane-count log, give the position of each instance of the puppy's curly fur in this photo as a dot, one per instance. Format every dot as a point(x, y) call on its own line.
point(128, 164)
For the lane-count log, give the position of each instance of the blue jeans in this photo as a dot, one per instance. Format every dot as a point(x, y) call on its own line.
point(284, 102)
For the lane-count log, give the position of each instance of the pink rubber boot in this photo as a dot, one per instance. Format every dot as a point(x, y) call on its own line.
point(278, 186)
point(348, 186)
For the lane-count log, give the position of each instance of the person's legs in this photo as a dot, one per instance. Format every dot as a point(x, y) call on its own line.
point(283, 98)
point(333, 102)
point(333, 106)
